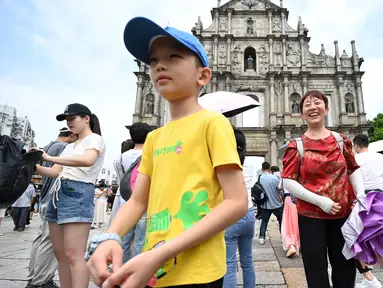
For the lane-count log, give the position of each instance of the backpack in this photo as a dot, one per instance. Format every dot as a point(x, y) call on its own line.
point(16, 169)
point(258, 194)
point(300, 147)
point(129, 179)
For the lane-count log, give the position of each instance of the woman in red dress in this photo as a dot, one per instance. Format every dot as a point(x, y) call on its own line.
point(323, 182)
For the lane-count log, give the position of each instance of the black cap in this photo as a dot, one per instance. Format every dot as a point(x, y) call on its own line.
point(72, 110)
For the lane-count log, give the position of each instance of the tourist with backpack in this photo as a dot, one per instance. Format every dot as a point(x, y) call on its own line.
point(117, 165)
point(319, 168)
point(190, 180)
point(273, 203)
point(42, 262)
point(130, 162)
point(71, 209)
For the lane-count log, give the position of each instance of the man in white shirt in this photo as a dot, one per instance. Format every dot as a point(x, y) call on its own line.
point(138, 132)
point(371, 168)
point(371, 164)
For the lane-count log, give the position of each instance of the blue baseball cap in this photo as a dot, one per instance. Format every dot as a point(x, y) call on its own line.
point(140, 32)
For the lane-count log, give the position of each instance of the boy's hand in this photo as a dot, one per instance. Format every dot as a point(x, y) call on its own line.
point(108, 252)
point(137, 272)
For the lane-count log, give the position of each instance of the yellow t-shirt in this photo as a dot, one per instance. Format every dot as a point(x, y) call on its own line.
point(180, 158)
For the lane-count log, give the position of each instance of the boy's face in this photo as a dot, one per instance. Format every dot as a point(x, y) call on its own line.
point(175, 71)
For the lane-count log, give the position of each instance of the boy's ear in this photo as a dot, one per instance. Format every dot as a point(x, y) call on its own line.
point(205, 76)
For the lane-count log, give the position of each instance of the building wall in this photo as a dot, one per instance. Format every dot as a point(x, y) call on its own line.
point(16, 127)
point(282, 70)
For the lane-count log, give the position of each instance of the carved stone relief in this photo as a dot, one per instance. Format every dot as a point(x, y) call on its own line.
point(278, 53)
point(253, 4)
point(250, 26)
point(261, 27)
point(223, 24)
point(293, 53)
point(237, 27)
point(277, 25)
point(222, 54)
point(263, 59)
point(149, 104)
point(236, 60)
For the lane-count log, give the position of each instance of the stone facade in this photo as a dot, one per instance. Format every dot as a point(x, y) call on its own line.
point(253, 50)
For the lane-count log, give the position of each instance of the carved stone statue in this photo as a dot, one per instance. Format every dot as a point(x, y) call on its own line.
point(250, 26)
point(149, 107)
point(250, 63)
point(295, 107)
point(350, 107)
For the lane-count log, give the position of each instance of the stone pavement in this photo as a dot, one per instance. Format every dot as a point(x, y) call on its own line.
point(273, 269)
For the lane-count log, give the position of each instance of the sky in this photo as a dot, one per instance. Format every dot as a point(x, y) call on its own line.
point(53, 53)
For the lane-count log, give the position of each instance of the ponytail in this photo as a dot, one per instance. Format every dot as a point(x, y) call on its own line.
point(95, 124)
point(241, 144)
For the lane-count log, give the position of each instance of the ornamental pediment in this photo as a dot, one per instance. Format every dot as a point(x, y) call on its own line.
point(249, 5)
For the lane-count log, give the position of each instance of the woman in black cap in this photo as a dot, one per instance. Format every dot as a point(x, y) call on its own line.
point(71, 209)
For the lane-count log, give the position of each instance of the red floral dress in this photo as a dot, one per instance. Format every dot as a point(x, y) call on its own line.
point(324, 171)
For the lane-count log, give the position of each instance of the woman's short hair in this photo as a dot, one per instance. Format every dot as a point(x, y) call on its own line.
point(316, 94)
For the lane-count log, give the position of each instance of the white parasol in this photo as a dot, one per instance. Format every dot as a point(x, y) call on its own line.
point(227, 103)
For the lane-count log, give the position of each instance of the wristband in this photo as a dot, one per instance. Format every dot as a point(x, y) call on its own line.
point(97, 239)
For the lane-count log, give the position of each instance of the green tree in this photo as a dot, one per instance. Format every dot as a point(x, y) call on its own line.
point(376, 131)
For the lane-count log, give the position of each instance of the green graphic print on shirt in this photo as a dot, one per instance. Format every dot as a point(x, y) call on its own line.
point(191, 211)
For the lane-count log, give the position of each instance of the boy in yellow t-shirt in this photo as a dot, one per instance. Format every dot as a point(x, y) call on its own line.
point(190, 179)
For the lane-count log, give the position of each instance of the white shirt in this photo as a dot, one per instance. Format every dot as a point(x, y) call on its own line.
point(371, 168)
point(128, 157)
point(248, 171)
point(84, 174)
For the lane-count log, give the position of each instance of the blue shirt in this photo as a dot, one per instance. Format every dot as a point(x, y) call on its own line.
point(270, 183)
point(25, 199)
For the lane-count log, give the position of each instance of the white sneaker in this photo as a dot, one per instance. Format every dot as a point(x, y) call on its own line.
point(369, 284)
point(261, 241)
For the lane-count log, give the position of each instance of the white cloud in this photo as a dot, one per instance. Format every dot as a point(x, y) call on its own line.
point(84, 59)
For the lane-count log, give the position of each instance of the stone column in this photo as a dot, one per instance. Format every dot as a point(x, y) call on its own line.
point(216, 20)
point(272, 94)
point(359, 95)
point(286, 92)
point(283, 16)
point(138, 106)
point(284, 54)
point(270, 16)
point(354, 56)
point(303, 59)
point(273, 153)
point(341, 96)
point(228, 83)
point(230, 24)
point(214, 84)
point(228, 54)
point(215, 52)
point(304, 85)
point(337, 59)
point(271, 53)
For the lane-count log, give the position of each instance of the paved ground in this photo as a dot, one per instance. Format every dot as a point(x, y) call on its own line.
point(273, 269)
